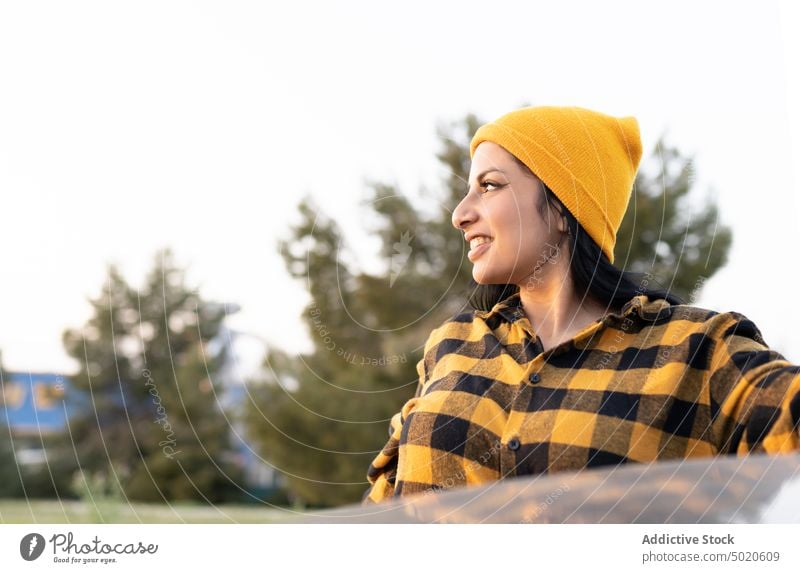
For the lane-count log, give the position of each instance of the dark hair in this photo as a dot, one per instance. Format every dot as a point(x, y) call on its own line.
point(590, 270)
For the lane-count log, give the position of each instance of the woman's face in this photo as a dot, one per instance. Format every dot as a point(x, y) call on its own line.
point(516, 245)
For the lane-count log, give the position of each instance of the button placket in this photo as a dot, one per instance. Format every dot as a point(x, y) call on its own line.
point(508, 461)
point(511, 441)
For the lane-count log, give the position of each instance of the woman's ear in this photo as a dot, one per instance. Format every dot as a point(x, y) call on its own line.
point(561, 219)
point(562, 223)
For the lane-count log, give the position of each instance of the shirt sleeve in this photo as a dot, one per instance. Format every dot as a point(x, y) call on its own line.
point(382, 471)
point(754, 392)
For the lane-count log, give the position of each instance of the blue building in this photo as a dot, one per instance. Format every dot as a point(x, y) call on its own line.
point(33, 405)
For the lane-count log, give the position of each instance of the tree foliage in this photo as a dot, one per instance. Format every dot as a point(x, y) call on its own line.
point(153, 425)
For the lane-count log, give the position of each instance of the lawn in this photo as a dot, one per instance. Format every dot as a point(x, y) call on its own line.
point(72, 511)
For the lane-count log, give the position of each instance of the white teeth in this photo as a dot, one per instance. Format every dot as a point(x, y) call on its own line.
point(479, 241)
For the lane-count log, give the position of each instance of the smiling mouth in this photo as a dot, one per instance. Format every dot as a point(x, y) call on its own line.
point(478, 246)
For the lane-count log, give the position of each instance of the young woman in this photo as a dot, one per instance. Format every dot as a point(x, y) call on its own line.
point(566, 362)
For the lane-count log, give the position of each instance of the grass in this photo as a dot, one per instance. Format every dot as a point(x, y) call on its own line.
point(73, 511)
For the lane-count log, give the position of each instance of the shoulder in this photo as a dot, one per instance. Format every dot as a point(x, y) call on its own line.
point(457, 326)
point(451, 335)
point(713, 323)
point(461, 321)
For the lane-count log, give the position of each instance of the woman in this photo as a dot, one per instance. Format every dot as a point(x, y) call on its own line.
point(566, 361)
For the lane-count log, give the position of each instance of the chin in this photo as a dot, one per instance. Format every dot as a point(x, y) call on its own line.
point(487, 277)
point(478, 275)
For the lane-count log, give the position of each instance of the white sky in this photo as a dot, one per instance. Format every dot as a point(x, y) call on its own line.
point(199, 125)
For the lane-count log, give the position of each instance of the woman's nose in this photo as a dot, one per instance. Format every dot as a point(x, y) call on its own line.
point(463, 214)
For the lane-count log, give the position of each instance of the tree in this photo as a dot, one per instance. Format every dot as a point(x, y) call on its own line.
point(322, 417)
point(663, 235)
point(154, 427)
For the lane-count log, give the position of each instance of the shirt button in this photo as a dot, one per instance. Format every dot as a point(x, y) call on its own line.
point(534, 378)
point(513, 444)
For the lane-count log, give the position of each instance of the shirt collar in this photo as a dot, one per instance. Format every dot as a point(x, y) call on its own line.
point(510, 309)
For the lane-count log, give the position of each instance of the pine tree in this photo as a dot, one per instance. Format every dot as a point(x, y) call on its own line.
point(662, 234)
point(154, 428)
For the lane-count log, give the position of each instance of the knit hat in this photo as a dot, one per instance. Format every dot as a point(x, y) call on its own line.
point(588, 159)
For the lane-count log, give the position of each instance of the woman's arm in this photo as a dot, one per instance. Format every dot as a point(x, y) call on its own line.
point(382, 471)
point(754, 391)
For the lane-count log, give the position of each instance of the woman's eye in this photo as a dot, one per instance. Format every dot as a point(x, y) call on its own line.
point(493, 184)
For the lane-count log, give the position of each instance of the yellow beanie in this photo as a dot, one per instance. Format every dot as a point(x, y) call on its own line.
point(588, 159)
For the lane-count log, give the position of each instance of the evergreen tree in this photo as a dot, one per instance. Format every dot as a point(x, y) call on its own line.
point(661, 232)
point(154, 428)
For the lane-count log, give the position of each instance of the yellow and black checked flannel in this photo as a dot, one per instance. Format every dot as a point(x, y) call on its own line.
point(652, 382)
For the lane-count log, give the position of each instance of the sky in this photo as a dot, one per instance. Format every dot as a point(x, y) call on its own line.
point(127, 127)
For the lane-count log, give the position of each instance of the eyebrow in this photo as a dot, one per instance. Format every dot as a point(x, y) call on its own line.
point(480, 175)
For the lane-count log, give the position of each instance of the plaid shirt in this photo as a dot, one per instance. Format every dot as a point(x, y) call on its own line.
point(652, 382)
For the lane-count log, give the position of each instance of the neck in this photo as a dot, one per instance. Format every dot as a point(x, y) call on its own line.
point(554, 309)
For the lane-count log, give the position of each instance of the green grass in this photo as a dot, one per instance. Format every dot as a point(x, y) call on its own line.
point(72, 511)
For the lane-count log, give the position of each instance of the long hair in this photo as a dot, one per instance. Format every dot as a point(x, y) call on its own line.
point(592, 274)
